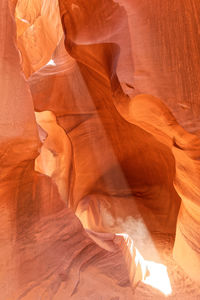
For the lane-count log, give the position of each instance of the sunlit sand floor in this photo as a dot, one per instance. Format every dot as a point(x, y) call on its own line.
point(181, 285)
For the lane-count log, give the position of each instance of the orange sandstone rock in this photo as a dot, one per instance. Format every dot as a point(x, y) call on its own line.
point(44, 250)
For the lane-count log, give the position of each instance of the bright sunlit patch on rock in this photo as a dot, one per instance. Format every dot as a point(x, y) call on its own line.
point(158, 278)
point(24, 20)
point(51, 63)
point(74, 6)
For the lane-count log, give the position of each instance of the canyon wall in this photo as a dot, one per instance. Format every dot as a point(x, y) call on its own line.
point(100, 148)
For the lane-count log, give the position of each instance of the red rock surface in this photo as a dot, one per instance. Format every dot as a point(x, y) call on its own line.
point(45, 252)
point(39, 31)
point(99, 148)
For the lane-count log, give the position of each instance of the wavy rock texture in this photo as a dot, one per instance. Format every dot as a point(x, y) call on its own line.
point(45, 252)
point(55, 159)
point(114, 181)
point(165, 51)
point(119, 160)
point(186, 150)
point(128, 181)
point(39, 30)
point(166, 54)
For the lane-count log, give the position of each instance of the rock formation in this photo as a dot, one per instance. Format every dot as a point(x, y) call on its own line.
point(39, 30)
point(99, 177)
point(45, 251)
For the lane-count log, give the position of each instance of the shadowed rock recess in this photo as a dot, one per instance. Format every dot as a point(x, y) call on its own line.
point(99, 149)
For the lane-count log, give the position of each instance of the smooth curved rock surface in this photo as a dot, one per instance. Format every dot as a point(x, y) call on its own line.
point(126, 176)
point(39, 30)
point(97, 56)
point(118, 158)
point(153, 116)
point(55, 159)
point(165, 52)
point(45, 252)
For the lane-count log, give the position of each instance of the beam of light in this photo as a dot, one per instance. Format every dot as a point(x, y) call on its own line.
point(152, 273)
point(158, 278)
point(136, 234)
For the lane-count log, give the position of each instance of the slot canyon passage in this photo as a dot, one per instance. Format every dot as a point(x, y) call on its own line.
point(99, 149)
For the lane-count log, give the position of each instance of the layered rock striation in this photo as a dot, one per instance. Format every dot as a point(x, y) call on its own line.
point(81, 137)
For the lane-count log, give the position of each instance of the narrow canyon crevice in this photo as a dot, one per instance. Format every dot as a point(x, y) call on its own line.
point(100, 149)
